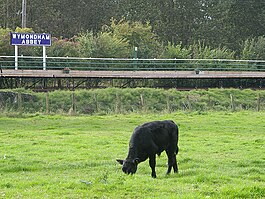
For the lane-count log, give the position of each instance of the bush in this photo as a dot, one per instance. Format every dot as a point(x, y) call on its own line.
point(86, 44)
point(64, 48)
point(137, 35)
point(5, 47)
point(197, 51)
point(254, 49)
point(176, 52)
point(201, 51)
point(108, 45)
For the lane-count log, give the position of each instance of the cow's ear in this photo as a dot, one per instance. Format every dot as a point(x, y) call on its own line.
point(136, 161)
point(120, 161)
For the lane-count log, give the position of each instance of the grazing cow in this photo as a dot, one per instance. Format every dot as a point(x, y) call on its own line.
point(148, 140)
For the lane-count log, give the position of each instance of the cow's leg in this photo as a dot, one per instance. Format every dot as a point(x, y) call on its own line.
point(152, 163)
point(175, 163)
point(170, 161)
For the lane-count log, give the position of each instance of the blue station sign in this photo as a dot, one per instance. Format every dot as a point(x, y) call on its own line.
point(30, 39)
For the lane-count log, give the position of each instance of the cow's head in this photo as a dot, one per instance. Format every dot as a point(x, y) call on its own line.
point(129, 166)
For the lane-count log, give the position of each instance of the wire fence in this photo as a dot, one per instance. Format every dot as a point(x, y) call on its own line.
point(114, 101)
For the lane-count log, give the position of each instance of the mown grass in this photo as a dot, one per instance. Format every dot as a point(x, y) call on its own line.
point(221, 156)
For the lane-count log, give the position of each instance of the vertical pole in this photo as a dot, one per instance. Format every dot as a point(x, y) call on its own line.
point(44, 57)
point(96, 102)
point(135, 52)
point(142, 102)
point(135, 57)
point(117, 104)
point(168, 104)
point(189, 102)
point(24, 13)
point(7, 14)
point(47, 103)
point(232, 102)
point(73, 103)
point(19, 101)
point(258, 102)
point(16, 57)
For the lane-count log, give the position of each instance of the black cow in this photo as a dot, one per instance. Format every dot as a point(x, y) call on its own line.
point(148, 140)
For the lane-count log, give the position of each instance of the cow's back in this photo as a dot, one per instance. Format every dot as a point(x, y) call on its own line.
point(160, 133)
point(165, 133)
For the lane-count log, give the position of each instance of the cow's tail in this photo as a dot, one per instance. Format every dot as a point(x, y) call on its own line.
point(177, 134)
point(177, 150)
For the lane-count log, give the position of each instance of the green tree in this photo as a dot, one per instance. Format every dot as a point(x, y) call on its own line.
point(245, 19)
point(213, 30)
point(172, 20)
point(68, 18)
point(138, 35)
point(5, 47)
point(10, 13)
point(87, 44)
point(109, 45)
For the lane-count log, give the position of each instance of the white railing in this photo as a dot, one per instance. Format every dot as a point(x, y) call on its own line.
point(82, 63)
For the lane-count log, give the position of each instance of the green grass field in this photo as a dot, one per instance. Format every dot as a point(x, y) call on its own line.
point(222, 155)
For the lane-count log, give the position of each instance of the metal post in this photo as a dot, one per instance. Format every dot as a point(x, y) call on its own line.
point(135, 52)
point(16, 57)
point(135, 57)
point(44, 57)
point(24, 13)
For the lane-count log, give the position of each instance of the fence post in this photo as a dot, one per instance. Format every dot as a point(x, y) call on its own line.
point(96, 101)
point(210, 104)
point(168, 105)
point(73, 103)
point(258, 102)
point(47, 102)
point(232, 102)
point(19, 101)
point(142, 102)
point(189, 103)
point(117, 104)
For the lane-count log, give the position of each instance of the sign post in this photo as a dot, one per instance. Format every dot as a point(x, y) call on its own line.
point(30, 39)
point(16, 57)
point(44, 57)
